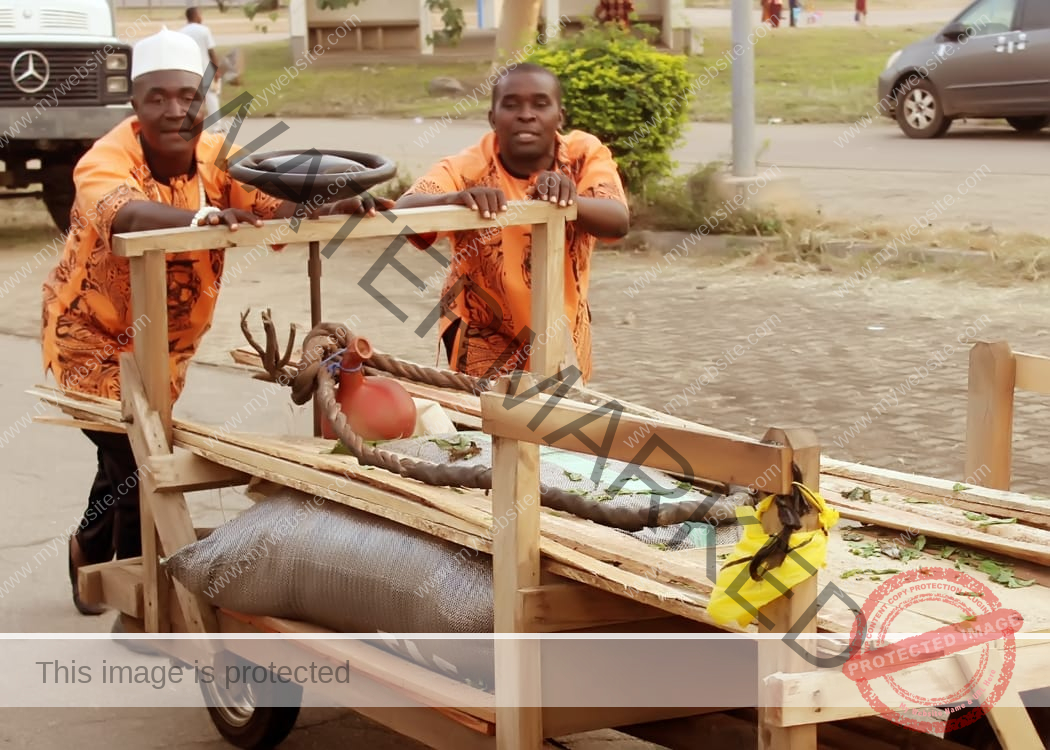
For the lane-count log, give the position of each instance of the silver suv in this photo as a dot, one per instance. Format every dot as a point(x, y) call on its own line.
point(990, 61)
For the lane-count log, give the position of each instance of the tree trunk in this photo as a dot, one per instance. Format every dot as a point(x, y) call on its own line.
point(517, 27)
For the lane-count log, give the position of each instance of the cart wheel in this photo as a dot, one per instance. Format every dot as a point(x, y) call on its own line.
point(240, 719)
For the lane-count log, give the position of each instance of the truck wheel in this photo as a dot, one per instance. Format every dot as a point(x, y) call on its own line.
point(59, 190)
point(920, 114)
point(241, 721)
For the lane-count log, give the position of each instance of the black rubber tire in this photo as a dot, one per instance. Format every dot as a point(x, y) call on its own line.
point(920, 113)
point(1029, 124)
point(59, 201)
point(264, 727)
point(59, 190)
point(980, 735)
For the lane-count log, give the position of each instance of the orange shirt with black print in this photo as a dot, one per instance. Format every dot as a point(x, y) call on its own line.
point(87, 320)
point(489, 285)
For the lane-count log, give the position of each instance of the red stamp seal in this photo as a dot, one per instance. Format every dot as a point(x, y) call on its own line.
point(881, 667)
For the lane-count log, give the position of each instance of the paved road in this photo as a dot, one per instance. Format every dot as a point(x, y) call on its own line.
point(878, 174)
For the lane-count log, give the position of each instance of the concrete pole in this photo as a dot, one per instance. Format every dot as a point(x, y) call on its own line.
point(743, 92)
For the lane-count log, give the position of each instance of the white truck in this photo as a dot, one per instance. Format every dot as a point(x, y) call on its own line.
point(65, 80)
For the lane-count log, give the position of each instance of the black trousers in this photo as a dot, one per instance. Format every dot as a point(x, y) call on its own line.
point(111, 521)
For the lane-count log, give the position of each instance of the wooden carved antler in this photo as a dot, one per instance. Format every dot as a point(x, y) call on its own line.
point(272, 361)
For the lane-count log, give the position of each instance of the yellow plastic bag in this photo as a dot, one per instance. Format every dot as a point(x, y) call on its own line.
point(811, 546)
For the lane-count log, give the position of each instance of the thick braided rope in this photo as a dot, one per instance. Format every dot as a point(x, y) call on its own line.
point(312, 379)
point(718, 508)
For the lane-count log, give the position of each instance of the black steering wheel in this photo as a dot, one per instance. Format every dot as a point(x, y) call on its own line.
point(313, 176)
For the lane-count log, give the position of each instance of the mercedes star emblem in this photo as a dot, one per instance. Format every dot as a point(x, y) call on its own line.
point(30, 71)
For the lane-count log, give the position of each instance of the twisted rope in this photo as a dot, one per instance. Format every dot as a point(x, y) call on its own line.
point(314, 379)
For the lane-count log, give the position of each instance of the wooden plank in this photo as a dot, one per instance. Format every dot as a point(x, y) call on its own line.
point(188, 472)
point(356, 495)
point(80, 424)
point(568, 606)
point(560, 721)
point(323, 229)
point(409, 679)
point(738, 461)
point(904, 520)
point(516, 566)
point(982, 499)
point(990, 413)
point(1032, 373)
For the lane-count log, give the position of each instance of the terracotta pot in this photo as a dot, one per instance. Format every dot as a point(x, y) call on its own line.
point(375, 408)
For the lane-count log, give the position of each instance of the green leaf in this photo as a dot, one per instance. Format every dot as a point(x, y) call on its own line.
point(920, 543)
point(852, 536)
point(573, 477)
point(975, 516)
point(997, 521)
point(858, 493)
point(916, 501)
point(947, 552)
point(1019, 583)
point(959, 487)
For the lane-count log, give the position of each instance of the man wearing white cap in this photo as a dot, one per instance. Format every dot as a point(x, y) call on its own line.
point(155, 170)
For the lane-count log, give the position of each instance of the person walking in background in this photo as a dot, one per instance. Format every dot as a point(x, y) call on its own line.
point(861, 16)
point(615, 11)
point(201, 34)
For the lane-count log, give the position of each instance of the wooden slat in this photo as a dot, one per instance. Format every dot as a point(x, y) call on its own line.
point(738, 461)
point(989, 414)
point(1012, 724)
point(982, 499)
point(1032, 373)
point(570, 606)
point(188, 472)
point(903, 520)
point(149, 310)
point(411, 220)
point(80, 424)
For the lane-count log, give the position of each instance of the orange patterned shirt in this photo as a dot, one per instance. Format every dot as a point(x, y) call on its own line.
point(489, 286)
point(87, 320)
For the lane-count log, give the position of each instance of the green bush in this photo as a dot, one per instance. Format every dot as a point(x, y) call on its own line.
point(686, 203)
point(620, 88)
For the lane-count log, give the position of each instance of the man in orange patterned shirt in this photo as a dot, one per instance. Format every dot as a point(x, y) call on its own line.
point(154, 170)
point(486, 301)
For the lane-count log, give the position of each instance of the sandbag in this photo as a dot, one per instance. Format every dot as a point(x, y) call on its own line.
point(305, 558)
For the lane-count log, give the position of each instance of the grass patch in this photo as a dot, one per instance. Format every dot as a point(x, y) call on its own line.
point(829, 75)
point(684, 203)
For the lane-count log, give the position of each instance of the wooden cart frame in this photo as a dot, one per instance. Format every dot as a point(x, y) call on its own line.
point(529, 595)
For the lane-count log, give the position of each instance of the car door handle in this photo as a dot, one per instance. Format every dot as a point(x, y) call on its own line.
point(1021, 40)
point(1000, 44)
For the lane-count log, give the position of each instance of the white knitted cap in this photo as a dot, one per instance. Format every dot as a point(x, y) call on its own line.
point(165, 50)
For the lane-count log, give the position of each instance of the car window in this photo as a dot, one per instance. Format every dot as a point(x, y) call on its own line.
point(1036, 15)
point(990, 16)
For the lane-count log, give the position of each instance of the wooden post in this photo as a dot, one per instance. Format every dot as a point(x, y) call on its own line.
point(314, 272)
point(516, 568)
point(990, 415)
point(549, 350)
point(789, 613)
point(145, 377)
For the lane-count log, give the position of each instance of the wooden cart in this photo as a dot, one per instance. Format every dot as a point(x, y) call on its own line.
point(551, 573)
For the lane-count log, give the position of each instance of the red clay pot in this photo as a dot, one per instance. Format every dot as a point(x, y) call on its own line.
point(375, 408)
